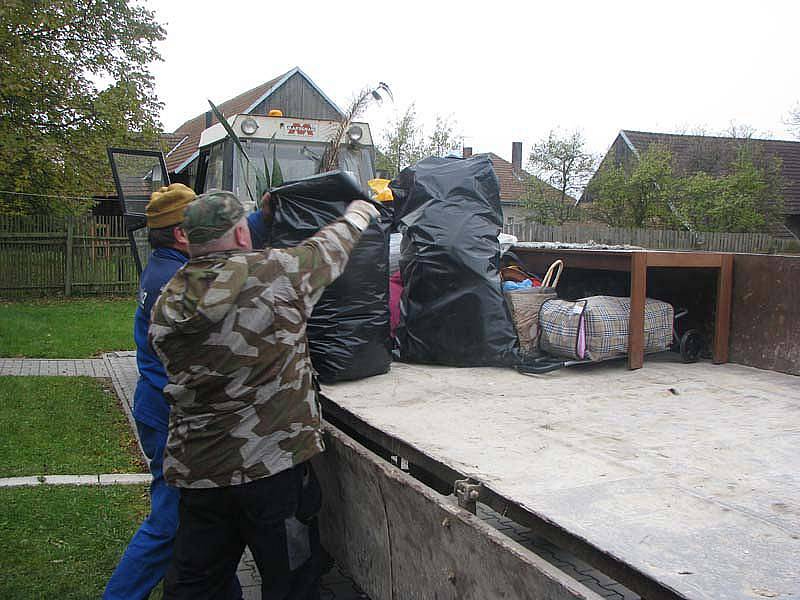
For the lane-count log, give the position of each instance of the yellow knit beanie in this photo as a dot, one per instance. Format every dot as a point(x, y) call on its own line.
point(166, 205)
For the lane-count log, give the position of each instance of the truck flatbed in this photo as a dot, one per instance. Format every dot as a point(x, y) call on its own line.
point(684, 480)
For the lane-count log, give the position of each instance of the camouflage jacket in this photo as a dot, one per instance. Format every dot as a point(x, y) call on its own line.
point(230, 329)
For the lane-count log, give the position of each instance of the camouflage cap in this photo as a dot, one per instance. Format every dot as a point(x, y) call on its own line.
point(211, 216)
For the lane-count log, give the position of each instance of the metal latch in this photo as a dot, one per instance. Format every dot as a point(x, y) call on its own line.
point(467, 492)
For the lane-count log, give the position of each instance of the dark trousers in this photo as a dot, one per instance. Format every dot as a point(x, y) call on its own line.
point(275, 517)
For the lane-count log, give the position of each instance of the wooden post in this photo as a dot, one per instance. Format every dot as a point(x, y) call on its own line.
point(68, 259)
point(722, 320)
point(636, 319)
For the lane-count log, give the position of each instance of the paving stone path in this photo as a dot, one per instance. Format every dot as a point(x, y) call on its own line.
point(595, 580)
point(90, 367)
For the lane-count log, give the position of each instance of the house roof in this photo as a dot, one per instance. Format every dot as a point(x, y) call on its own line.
point(186, 138)
point(713, 155)
point(514, 182)
point(188, 134)
point(170, 140)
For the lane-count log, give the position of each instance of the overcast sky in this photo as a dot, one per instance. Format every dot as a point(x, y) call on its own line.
point(505, 71)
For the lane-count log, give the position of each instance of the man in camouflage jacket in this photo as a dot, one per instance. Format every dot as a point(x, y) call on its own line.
point(230, 328)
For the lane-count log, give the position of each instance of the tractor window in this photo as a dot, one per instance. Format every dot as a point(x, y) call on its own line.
point(215, 167)
point(358, 161)
point(296, 160)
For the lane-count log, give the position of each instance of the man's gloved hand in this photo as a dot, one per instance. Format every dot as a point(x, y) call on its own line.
point(266, 209)
point(360, 213)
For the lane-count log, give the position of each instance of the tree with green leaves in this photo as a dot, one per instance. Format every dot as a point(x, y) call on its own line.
point(636, 197)
point(547, 205)
point(403, 143)
point(443, 140)
point(747, 197)
point(75, 79)
point(561, 167)
point(792, 120)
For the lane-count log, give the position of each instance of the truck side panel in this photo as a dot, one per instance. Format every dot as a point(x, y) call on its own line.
point(399, 539)
point(765, 328)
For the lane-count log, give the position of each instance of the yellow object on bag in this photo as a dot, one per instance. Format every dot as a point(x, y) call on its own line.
point(380, 189)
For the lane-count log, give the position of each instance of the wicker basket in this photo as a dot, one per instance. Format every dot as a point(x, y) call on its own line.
point(524, 306)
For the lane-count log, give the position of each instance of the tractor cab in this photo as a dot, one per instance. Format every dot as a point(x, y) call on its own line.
point(271, 150)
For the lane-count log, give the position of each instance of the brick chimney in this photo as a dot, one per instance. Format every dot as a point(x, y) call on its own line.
point(516, 155)
point(467, 151)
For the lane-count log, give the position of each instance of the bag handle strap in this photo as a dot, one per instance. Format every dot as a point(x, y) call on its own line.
point(557, 264)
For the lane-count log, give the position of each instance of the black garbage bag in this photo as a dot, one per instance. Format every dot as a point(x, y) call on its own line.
point(348, 333)
point(452, 310)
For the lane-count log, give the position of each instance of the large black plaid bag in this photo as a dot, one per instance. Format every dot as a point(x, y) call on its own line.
point(596, 328)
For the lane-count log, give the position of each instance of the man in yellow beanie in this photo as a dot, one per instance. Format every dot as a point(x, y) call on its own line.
point(150, 550)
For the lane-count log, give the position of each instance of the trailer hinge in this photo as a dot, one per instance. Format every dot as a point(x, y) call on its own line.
point(467, 492)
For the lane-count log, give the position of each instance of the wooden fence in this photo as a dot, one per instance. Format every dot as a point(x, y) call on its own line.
point(44, 256)
point(652, 238)
point(69, 256)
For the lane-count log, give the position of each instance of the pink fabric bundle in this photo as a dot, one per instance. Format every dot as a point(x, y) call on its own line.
point(395, 292)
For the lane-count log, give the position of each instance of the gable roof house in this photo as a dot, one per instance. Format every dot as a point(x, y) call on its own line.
point(294, 93)
point(514, 185)
point(713, 155)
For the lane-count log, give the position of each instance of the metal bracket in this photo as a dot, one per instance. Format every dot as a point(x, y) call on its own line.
point(467, 492)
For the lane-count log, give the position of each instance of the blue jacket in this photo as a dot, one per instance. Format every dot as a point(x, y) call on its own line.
point(149, 405)
point(259, 233)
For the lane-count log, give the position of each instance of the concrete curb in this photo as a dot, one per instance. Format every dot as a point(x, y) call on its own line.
point(124, 478)
point(104, 479)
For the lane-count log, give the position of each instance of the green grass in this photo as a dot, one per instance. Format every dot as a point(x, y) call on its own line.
point(64, 541)
point(66, 328)
point(63, 425)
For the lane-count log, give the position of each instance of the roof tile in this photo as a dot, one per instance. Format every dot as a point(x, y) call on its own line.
point(514, 182)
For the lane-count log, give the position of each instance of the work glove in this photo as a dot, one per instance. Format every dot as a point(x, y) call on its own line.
point(266, 208)
point(360, 213)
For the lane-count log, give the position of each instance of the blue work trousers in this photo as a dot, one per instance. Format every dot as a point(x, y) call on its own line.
point(150, 550)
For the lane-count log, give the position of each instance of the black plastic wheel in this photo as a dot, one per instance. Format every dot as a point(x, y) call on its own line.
point(691, 346)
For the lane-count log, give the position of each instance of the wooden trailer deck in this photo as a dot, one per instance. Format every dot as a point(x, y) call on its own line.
point(680, 481)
